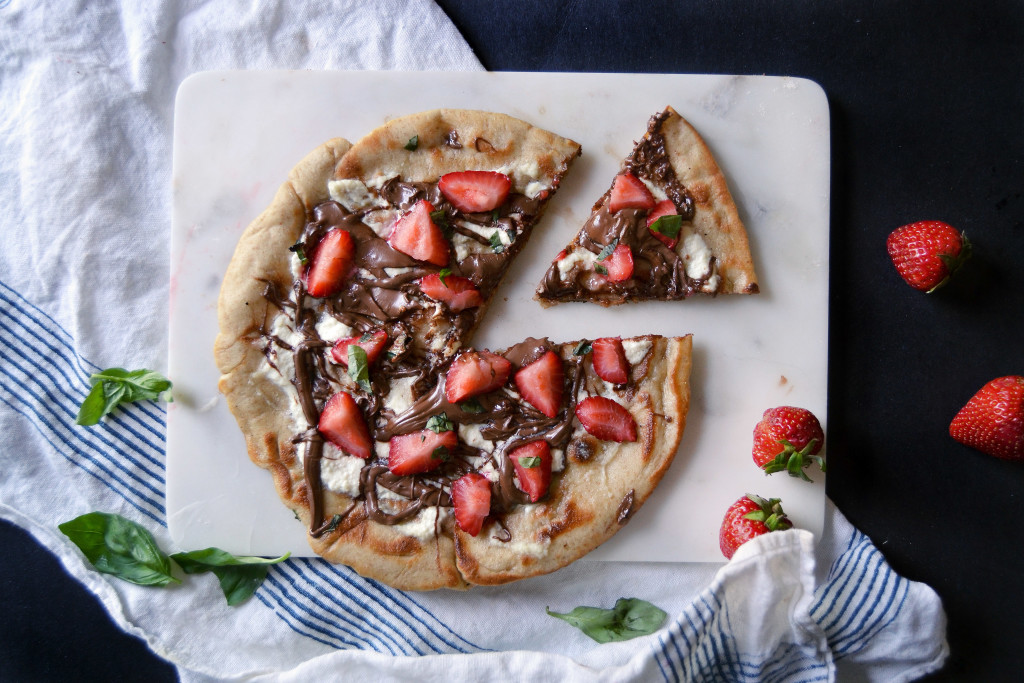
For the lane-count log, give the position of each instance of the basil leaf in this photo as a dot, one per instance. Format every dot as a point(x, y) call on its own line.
point(440, 423)
point(630, 618)
point(120, 547)
point(529, 461)
point(601, 269)
point(608, 249)
point(239, 576)
point(583, 348)
point(440, 219)
point(114, 386)
point(413, 143)
point(442, 274)
point(472, 406)
point(300, 252)
point(496, 244)
point(669, 226)
point(335, 521)
point(359, 367)
point(441, 453)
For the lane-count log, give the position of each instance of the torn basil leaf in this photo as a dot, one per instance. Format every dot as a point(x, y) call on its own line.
point(669, 226)
point(583, 348)
point(114, 386)
point(413, 143)
point(496, 244)
point(529, 461)
point(359, 367)
point(120, 547)
point(440, 219)
point(300, 252)
point(608, 249)
point(441, 453)
point(472, 406)
point(601, 269)
point(239, 576)
point(442, 274)
point(630, 618)
point(440, 423)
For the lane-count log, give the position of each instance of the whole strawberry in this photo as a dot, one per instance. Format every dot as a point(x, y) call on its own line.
point(749, 517)
point(788, 439)
point(927, 253)
point(993, 420)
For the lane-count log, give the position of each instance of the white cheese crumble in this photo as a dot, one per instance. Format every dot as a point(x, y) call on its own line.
point(636, 350)
point(425, 524)
point(656, 192)
point(581, 256)
point(352, 194)
point(340, 472)
point(470, 435)
point(331, 329)
point(283, 330)
point(392, 272)
point(557, 460)
point(381, 449)
point(697, 256)
point(377, 181)
point(381, 221)
point(399, 398)
point(525, 547)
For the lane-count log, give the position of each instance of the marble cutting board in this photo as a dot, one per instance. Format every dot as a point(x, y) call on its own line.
point(237, 134)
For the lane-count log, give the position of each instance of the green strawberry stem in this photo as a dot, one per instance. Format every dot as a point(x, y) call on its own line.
point(793, 461)
point(953, 263)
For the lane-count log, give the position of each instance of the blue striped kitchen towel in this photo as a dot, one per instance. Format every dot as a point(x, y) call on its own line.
point(85, 156)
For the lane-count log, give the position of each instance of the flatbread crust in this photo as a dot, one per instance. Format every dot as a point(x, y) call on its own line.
point(576, 517)
point(715, 219)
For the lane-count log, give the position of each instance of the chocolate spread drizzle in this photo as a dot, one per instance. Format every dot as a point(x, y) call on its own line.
point(658, 271)
point(372, 298)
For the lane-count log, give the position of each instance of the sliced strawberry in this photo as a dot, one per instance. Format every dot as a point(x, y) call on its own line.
point(420, 451)
point(372, 342)
point(541, 383)
point(606, 419)
point(665, 207)
point(619, 264)
point(416, 234)
point(610, 362)
point(459, 293)
point(533, 467)
point(474, 373)
point(343, 424)
point(474, 191)
point(330, 264)
point(471, 496)
point(629, 192)
point(561, 255)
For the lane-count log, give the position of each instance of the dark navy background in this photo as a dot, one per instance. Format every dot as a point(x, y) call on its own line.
point(927, 107)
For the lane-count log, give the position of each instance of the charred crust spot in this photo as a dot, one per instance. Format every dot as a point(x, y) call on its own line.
point(572, 519)
point(582, 450)
point(700, 192)
point(483, 145)
point(465, 561)
point(453, 140)
point(752, 288)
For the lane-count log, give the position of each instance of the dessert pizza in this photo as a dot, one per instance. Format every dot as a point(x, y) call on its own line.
point(419, 462)
point(666, 229)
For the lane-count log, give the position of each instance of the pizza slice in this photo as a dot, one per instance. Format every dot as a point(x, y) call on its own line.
point(667, 228)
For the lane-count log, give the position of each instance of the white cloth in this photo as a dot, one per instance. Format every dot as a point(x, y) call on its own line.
point(88, 93)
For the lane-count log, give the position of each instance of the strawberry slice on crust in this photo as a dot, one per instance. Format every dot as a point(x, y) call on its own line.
point(541, 383)
point(609, 359)
point(533, 467)
point(416, 235)
point(665, 207)
point(629, 192)
point(342, 423)
point(606, 419)
point(475, 191)
point(459, 293)
point(474, 373)
point(331, 264)
point(420, 451)
point(471, 496)
point(373, 342)
point(619, 263)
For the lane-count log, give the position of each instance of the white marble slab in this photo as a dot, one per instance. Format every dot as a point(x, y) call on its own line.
point(237, 134)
